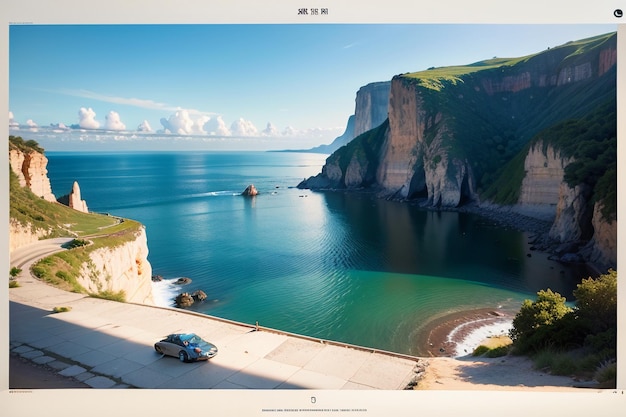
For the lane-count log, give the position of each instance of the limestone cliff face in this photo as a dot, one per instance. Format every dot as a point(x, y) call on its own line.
point(123, 268)
point(404, 144)
point(410, 164)
point(444, 136)
point(545, 169)
point(602, 249)
point(572, 218)
point(370, 108)
point(23, 234)
point(31, 171)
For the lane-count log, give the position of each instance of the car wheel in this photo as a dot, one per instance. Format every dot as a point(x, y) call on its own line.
point(182, 355)
point(158, 349)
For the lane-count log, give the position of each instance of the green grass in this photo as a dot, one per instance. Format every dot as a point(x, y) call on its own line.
point(578, 363)
point(119, 296)
point(91, 231)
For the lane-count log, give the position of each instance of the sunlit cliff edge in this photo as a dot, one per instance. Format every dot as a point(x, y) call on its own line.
point(110, 259)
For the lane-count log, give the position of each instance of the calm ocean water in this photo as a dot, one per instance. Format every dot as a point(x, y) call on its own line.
point(337, 266)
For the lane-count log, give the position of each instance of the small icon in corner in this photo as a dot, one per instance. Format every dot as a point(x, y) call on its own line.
point(618, 13)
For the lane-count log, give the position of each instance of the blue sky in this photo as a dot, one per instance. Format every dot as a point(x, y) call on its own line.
point(228, 86)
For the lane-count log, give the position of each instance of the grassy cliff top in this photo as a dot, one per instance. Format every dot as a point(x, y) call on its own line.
point(435, 78)
point(90, 230)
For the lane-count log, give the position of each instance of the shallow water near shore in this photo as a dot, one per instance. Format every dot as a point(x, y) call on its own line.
point(339, 266)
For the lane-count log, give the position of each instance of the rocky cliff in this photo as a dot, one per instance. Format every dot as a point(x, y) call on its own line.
point(370, 108)
point(121, 268)
point(370, 111)
point(111, 269)
point(30, 168)
point(452, 130)
point(24, 234)
point(545, 169)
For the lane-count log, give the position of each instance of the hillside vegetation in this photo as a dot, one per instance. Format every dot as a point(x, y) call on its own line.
point(96, 230)
point(591, 140)
point(491, 129)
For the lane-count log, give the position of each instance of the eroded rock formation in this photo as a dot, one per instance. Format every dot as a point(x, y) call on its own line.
point(75, 200)
point(31, 171)
point(250, 191)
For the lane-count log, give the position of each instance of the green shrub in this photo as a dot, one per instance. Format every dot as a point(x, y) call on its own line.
point(13, 284)
point(39, 271)
point(15, 271)
point(536, 320)
point(76, 243)
point(498, 352)
point(64, 276)
point(596, 301)
point(480, 350)
point(606, 372)
point(119, 296)
point(61, 309)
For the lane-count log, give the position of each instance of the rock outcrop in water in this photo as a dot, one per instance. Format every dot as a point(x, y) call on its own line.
point(250, 191)
point(451, 131)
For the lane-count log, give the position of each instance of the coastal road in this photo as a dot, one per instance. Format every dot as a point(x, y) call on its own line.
point(25, 256)
point(107, 344)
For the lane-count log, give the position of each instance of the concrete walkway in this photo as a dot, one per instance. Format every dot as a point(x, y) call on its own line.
point(107, 344)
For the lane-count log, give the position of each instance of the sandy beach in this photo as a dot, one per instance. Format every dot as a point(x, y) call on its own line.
point(459, 333)
point(450, 341)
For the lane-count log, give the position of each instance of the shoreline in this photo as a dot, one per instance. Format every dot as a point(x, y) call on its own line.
point(457, 334)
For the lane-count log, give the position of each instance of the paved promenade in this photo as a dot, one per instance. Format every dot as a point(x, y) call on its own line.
point(107, 344)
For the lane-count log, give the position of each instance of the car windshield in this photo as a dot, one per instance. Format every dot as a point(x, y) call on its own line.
point(191, 338)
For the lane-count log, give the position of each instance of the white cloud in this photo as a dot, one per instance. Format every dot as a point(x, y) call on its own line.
point(32, 126)
point(198, 125)
point(290, 131)
point(87, 119)
point(59, 127)
point(12, 122)
point(113, 121)
point(270, 130)
point(144, 127)
point(243, 127)
point(217, 127)
point(179, 123)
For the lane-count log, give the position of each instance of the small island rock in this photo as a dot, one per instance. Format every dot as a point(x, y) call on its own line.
point(250, 191)
point(199, 295)
point(184, 300)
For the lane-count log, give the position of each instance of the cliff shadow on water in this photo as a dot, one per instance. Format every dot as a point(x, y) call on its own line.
point(401, 238)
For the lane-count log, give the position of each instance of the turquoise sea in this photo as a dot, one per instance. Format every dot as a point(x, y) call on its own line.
point(339, 266)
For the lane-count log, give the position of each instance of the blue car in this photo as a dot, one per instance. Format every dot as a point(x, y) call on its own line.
point(188, 347)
